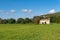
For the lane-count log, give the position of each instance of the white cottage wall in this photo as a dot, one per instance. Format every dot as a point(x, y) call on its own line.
point(44, 21)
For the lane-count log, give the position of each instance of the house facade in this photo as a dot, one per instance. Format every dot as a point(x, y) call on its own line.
point(44, 20)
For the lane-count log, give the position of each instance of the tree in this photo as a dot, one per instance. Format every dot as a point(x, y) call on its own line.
point(27, 20)
point(36, 19)
point(5, 21)
point(53, 19)
point(11, 21)
point(20, 20)
point(58, 19)
point(1, 21)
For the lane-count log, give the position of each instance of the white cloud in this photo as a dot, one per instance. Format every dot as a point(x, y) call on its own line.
point(26, 10)
point(52, 11)
point(29, 10)
point(12, 11)
point(7, 12)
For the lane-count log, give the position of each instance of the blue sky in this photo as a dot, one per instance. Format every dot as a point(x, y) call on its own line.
point(27, 8)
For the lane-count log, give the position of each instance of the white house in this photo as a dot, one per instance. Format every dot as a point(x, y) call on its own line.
point(44, 20)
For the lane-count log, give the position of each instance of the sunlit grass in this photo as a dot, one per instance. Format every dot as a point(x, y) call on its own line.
point(29, 32)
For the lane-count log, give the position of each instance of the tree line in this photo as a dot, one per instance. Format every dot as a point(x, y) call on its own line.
point(54, 18)
point(35, 20)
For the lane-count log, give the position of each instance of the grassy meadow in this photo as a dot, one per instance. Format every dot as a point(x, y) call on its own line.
point(29, 32)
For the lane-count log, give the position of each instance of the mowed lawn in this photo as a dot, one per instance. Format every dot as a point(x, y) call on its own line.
point(29, 32)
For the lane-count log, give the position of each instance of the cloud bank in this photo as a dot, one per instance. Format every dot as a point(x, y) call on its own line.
point(26, 10)
point(7, 12)
point(52, 11)
point(12, 11)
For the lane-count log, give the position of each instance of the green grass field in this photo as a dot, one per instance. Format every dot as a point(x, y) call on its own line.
point(29, 32)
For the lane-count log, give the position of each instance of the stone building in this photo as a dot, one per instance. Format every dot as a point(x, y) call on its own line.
point(44, 20)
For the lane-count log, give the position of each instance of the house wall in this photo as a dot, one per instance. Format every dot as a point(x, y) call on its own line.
point(45, 21)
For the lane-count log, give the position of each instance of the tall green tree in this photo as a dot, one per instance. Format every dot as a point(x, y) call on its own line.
point(58, 19)
point(5, 21)
point(36, 19)
point(1, 21)
point(53, 19)
point(11, 21)
point(27, 20)
point(20, 20)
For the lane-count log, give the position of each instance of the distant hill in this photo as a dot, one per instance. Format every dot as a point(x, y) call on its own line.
point(54, 17)
point(52, 14)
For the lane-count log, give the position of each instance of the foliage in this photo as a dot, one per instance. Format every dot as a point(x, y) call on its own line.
point(20, 20)
point(5, 21)
point(1, 21)
point(36, 19)
point(58, 19)
point(27, 20)
point(11, 21)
